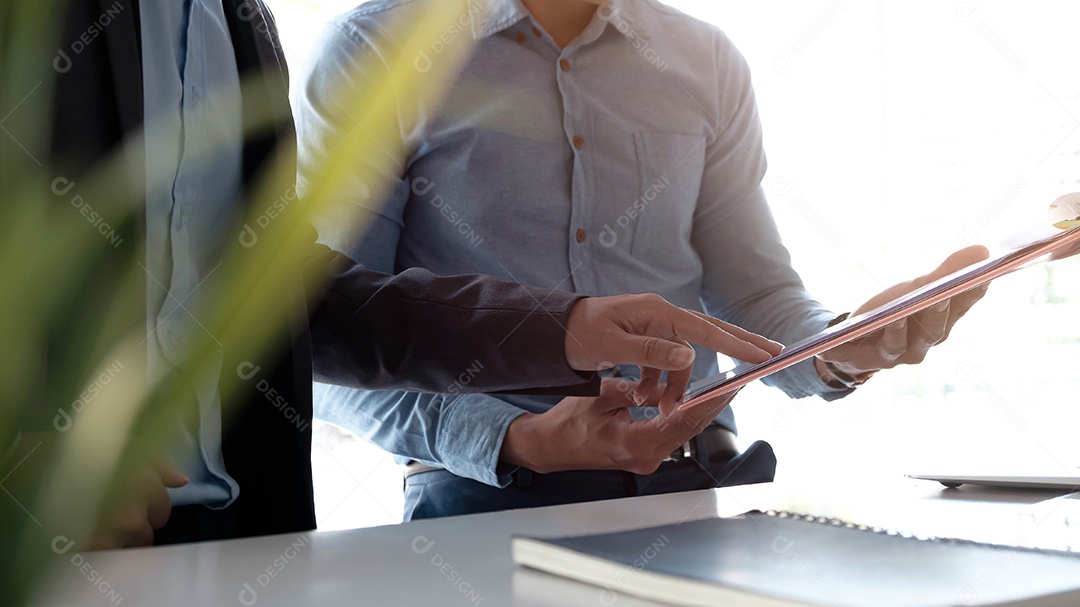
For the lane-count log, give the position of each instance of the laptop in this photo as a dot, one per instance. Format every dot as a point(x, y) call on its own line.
point(1066, 481)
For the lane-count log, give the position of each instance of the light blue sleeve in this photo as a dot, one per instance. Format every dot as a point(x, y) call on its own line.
point(372, 198)
point(748, 278)
point(462, 433)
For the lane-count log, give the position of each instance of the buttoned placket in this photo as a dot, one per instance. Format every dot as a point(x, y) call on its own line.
point(576, 126)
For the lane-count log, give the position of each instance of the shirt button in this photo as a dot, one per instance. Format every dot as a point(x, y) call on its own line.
point(580, 235)
point(579, 142)
point(520, 37)
point(564, 64)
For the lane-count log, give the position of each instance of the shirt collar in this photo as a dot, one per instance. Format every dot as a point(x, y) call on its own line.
point(623, 15)
point(490, 17)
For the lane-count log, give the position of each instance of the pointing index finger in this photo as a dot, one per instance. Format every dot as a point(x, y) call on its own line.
point(720, 336)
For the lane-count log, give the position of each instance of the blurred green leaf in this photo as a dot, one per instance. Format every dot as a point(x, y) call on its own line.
point(56, 340)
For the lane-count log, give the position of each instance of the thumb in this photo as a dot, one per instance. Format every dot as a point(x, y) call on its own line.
point(614, 394)
point(658, 353)
point(170, 475)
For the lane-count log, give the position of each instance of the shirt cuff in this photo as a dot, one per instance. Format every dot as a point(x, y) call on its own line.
point(470, 436)
point(801, 380)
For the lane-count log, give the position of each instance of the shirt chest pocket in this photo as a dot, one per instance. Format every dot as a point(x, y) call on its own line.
point(670, 168)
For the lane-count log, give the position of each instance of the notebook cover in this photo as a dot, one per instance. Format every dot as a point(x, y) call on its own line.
point(784, 561)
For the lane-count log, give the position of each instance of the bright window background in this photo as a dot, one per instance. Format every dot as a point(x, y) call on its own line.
point(897, 132)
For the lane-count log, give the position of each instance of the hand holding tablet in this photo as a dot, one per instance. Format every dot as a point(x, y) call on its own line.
point(964, 271)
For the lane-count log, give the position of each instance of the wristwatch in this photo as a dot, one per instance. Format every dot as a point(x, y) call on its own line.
point(837, 379)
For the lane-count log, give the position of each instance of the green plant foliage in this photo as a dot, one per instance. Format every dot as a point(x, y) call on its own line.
point(64, 327)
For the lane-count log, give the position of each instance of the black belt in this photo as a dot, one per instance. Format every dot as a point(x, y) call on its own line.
point(715, 443)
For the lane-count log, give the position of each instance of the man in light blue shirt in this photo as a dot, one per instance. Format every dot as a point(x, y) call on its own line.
point(607, 149)
point(587, 167)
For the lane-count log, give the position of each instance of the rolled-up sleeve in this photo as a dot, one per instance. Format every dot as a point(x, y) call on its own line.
point(460, 432)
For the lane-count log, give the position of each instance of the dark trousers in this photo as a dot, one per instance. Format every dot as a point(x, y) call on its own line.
point(440, 493)
point(196, 524)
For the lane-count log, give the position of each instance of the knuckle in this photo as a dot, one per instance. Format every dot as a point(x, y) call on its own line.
point(652, 348)
point(543, 469)
point(915, 358)
point(893, 353)
point(647, 301)
point(648, 467)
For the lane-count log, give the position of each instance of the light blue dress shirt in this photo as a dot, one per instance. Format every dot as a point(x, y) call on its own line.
point(190, 88)
point(629, 161)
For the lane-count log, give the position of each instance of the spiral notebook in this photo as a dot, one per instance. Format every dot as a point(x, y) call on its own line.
point(780, 558)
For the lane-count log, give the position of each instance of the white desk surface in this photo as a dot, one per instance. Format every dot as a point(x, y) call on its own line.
point(466, 560)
